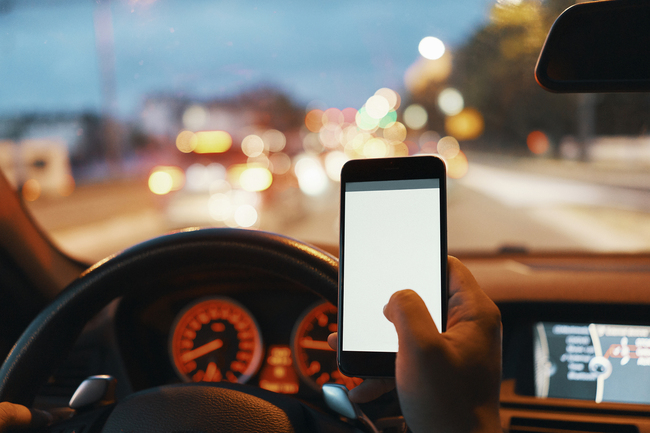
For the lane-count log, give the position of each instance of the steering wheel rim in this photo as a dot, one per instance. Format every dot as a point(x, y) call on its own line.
point(54, 331)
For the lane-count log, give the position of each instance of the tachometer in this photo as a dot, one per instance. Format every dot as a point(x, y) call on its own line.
point(316, 361)
point(215, 339)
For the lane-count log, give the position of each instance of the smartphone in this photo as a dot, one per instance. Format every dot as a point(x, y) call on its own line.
point(393, 237)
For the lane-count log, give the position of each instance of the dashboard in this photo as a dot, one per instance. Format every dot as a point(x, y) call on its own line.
point(564, 319)
point(257, 330)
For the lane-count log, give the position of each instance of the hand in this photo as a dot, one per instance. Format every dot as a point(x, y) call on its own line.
point(445, 381)
point(18, 416)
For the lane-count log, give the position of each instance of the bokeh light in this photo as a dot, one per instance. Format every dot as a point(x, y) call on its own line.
point(314, 120)
point(160, 182)
point(349, 115)
point(391, 96)
point(213, 142)
point(466, 125)
point(375, 148)
point(197, 177)
point(451, 101)
point(312, 179)
point(312, 144)
point(388, 120)
point(186, 141)
point(423, 72)
point(538, 142)
point(164, 179)
point(246, 215)
point(274, 140)
point(448, 147)
point(395, 133)
point(330, 135)
point(428, 142)
point(431, 48)
point(252, 145)
point(256, 179)
point(220, 206)
point(349, 133)
point(332, 115)
point(259, 161)
point(219, 186)
point(415, 116)
point(354, 147)
point(365, 121)
point(280, 163)
point(194, 117)
point(31, 190)
point(234, 174)
point(200, 178)
point(215, 171)
point(333, 163)
point(178, 177)
point(377, 107)
point(225, 207)
point(400, 149)
point(457, 166)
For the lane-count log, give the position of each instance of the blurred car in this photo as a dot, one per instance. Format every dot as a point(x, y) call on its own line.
point(172, 115)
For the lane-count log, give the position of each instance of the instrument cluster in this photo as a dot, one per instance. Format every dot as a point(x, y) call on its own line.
point(216, 339)
point(229, 326)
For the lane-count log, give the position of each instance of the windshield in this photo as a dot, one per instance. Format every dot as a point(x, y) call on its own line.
point(122, 120)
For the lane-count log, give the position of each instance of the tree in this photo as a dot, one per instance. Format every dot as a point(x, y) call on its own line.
point(494, 72)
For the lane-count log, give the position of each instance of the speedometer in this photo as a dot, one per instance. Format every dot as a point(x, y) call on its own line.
point(214, 340)
point(315, 359)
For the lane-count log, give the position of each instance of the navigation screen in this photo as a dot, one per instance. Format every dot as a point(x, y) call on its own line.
point(592, 362)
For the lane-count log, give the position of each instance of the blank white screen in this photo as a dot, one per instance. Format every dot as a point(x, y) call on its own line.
point(391, 242)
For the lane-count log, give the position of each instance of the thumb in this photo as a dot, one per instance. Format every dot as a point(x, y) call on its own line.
point(412, 320)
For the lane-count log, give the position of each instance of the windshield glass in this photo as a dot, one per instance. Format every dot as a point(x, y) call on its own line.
point(122, 120)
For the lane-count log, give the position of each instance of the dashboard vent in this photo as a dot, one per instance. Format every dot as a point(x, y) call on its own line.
point(529, 425)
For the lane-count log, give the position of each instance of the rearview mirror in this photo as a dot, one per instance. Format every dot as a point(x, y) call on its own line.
point(601, 46)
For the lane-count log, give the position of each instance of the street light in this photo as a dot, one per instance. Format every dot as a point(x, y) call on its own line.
point(431, 48)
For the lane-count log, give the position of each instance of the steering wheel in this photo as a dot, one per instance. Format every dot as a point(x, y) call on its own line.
point(183, 407)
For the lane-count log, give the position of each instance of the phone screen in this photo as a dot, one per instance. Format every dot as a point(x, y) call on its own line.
point(392, 241)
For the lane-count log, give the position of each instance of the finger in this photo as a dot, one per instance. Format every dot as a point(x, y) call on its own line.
point(40, 418)
point(61, 414)
point(460, 278)
point(467, 302)
point(16, 415)
point(412, 320)
point(333, 339)
point(370, 389)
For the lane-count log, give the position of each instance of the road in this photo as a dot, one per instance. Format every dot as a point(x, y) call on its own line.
point(538, 205)
point(510, 208)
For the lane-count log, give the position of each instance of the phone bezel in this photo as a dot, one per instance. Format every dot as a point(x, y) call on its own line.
point(382, 364)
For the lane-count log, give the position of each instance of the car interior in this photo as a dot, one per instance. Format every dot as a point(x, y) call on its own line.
point(100, 322)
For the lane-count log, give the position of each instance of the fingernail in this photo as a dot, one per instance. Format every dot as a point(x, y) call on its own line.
point(41, 417)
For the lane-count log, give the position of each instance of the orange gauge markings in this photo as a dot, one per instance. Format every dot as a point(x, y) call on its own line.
point(315, 359)
point(215, 339)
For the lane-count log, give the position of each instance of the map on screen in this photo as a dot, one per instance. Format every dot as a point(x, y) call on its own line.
point(598, 362)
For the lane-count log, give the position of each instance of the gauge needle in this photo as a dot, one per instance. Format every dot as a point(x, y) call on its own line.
point(312, 344)
point(201, 350)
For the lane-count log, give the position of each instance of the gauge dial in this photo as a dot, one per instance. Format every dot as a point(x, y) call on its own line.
point(315, 359)
point(214, 340)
